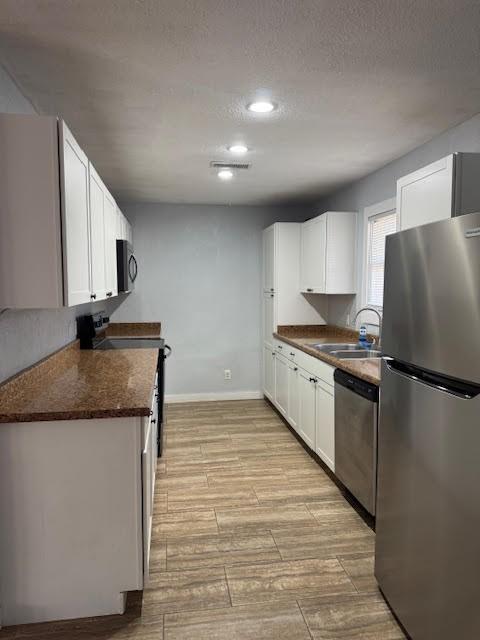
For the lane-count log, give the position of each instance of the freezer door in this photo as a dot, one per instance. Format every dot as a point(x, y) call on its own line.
point(427, 553)
point(432, 297)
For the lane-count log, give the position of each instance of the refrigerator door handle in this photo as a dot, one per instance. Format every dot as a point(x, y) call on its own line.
point(459, 388)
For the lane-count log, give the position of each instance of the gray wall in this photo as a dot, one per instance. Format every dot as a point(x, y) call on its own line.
point(200, 275)
point(381, 184)
point(28, 336)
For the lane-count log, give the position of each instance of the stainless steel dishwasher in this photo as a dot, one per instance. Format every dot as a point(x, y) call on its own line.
point(356, 415)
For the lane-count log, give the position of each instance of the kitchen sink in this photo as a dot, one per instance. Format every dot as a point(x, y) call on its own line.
point(360, 354)
point(328, 348)
point(348, 351)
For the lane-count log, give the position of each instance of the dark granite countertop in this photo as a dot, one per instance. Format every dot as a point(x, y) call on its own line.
point(303, 337)
point(72, 384)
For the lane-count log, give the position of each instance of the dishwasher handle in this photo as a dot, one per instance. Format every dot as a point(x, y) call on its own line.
point(356, 385)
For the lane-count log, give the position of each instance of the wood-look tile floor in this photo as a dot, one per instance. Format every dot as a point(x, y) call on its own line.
point(251, 541)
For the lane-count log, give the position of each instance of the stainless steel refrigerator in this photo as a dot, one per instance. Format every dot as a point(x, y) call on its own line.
point(427, 558)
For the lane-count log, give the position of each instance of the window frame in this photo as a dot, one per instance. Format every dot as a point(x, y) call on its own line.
point(377, 209)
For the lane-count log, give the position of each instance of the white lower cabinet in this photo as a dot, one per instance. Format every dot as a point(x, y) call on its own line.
point(325, 424)
point(306, 399)
point(269, 372)
point(301, 387)
point(147, 472)
point(293, 404)
point(281, 383)
point(268, 317)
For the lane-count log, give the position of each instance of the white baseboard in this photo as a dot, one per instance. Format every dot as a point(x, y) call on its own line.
point(211, 397)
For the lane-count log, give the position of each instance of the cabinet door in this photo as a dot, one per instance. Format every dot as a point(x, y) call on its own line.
point(269, 372)
point(325, 424)
point(293, 405)
point(147, 498)
point(75, 218)
point(340, 252)
point(312, 265)
point(306, 396)
point(268, 317)
point(129, 233)
point(97, 235)
point(269, 259)
point(110, 212)
point(281, 383)
point(426, 195)
point(122, 233)
point(119, 225)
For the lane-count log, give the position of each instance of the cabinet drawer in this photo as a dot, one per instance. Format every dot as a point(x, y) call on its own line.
point(286, 350)
point(321, 370)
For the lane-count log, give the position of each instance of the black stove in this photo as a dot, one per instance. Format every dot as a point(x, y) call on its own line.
point(130, 343)
point(91, 331)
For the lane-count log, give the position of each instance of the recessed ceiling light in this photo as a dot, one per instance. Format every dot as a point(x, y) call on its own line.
point(262, 106)
point(237, 148)
point(225, 174)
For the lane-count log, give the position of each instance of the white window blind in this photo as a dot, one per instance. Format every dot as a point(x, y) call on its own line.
point(379, 227)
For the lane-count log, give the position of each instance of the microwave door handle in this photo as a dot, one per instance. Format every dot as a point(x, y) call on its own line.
point(134, 262)
point(136, 268)
point(130, 267)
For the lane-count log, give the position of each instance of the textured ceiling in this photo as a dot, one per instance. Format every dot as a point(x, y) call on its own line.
point(155, 89)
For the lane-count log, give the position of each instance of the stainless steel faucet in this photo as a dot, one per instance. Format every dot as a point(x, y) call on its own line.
point(379, 321)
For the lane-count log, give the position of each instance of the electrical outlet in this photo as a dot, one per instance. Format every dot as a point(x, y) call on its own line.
point(227, 374)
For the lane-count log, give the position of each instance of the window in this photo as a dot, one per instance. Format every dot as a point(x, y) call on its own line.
point(379, 226)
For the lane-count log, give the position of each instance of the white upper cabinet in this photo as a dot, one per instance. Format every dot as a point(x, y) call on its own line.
point(110, 216)
point(76, 219)
point(97, 236)
point(312, 270)
point(281, 280)
point(426, 195)
point(103, 234)
point(328, 253)
point(54, 209)
point(445, 188)
point(124, 228)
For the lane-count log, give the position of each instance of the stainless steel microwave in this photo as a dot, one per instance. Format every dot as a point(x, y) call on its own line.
point(127, 267)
